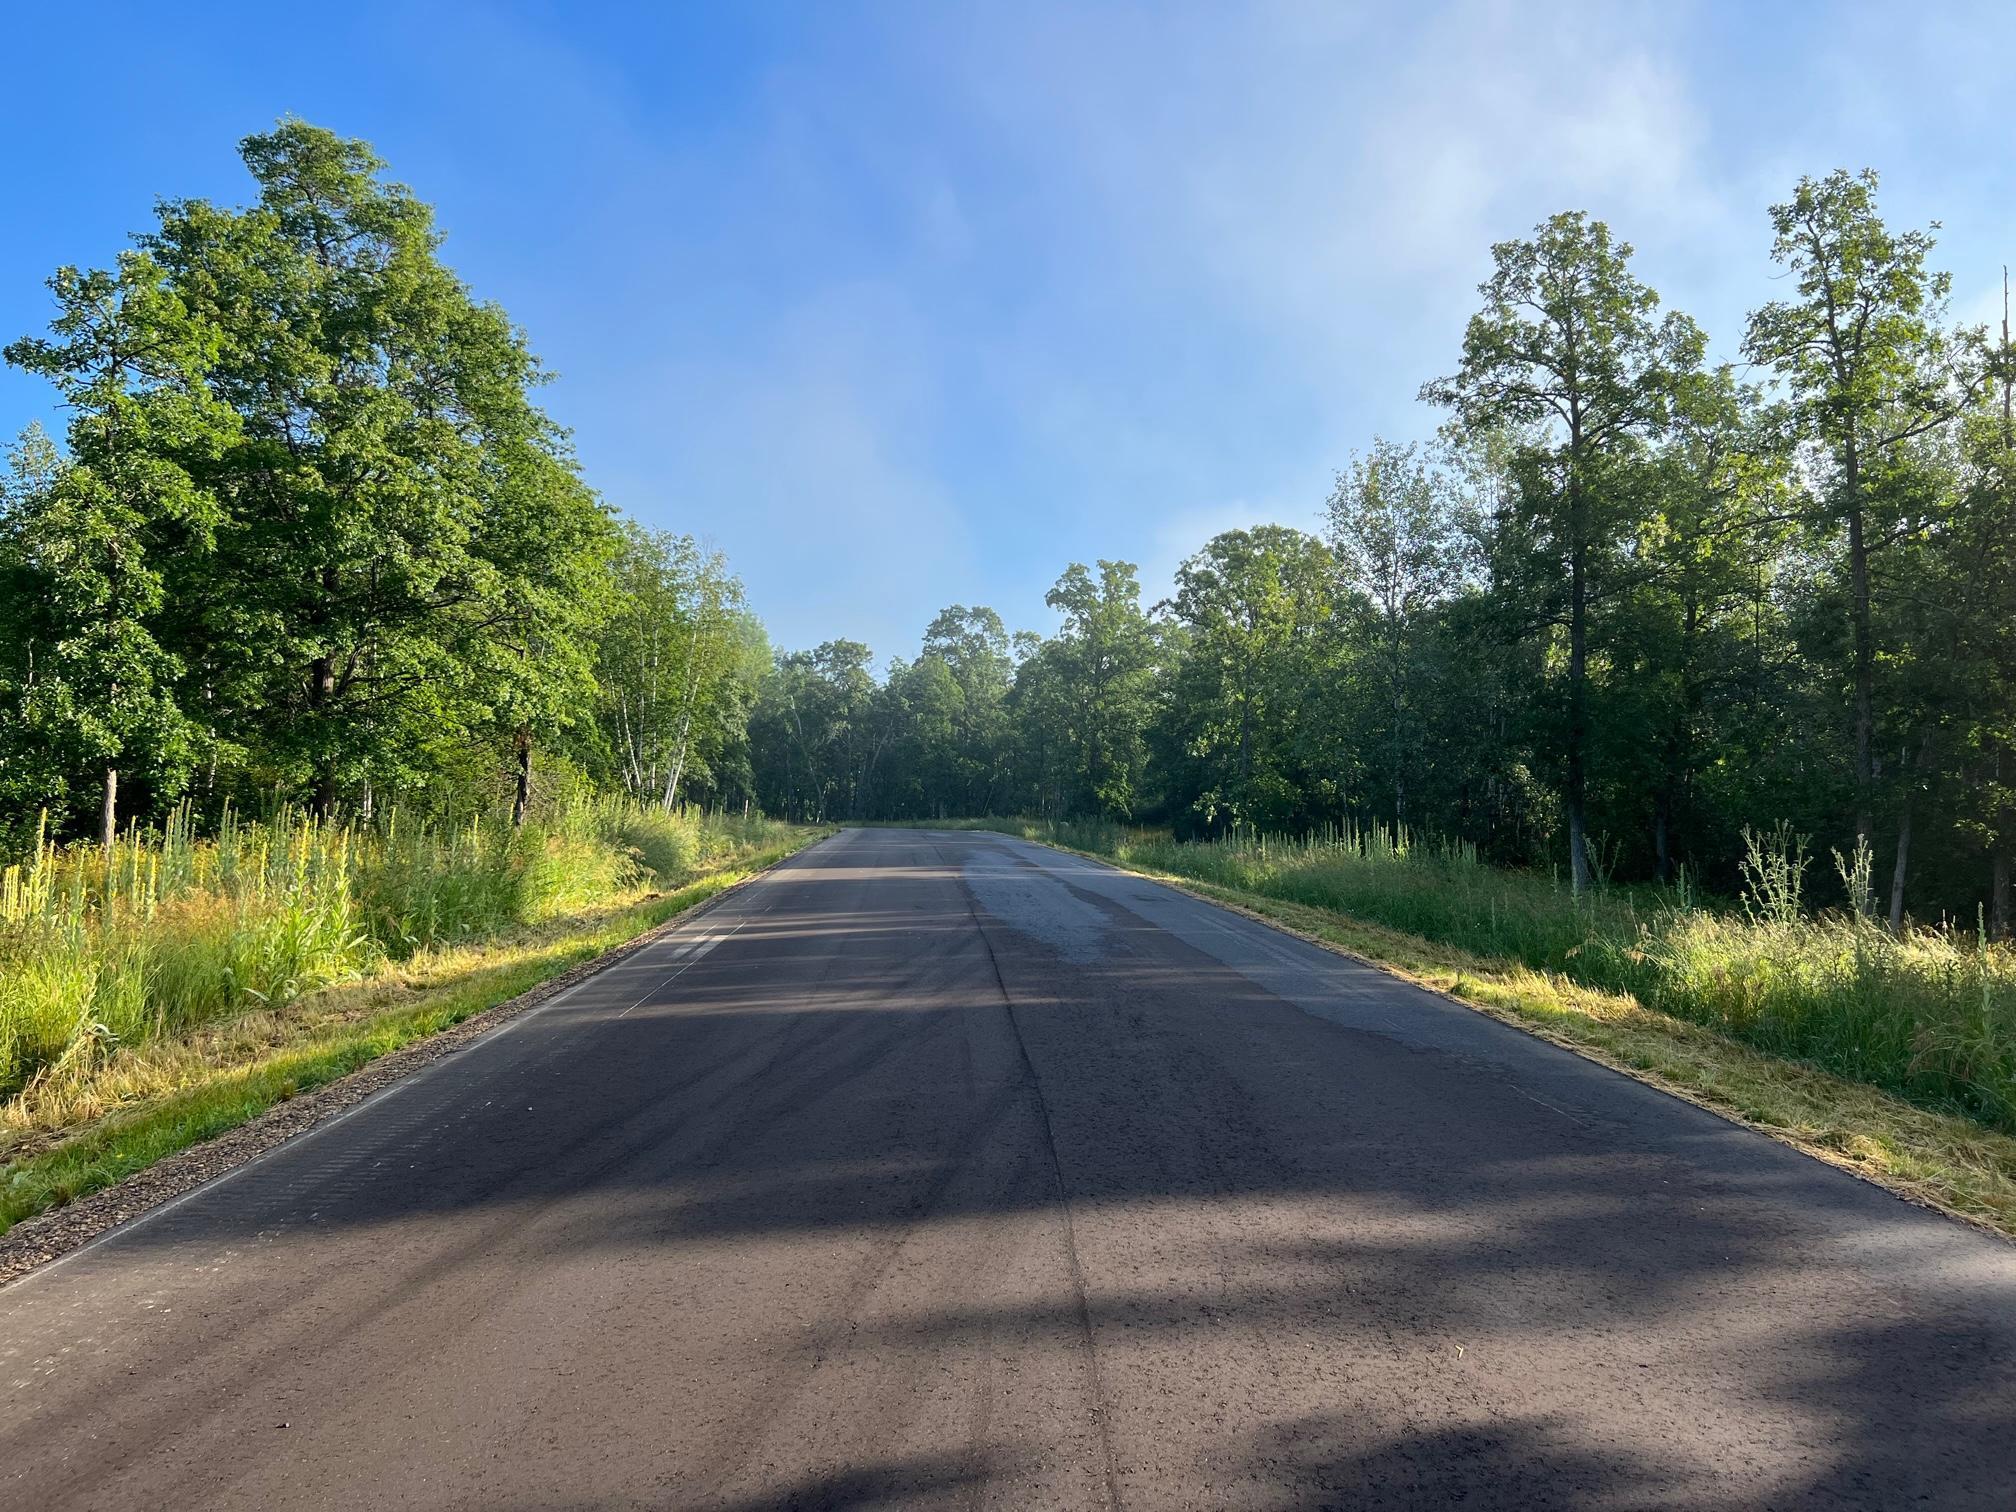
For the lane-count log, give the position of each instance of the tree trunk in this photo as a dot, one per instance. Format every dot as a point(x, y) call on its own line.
point(1902, 870)
point(321, 691)
point(1579, 872)
point(678, 762)
point(108, 823)
point(1399, 716)
point(1903, 867)
point(521, 798)
point(1662, 832)
point(1865, 654)
point(1999, 922)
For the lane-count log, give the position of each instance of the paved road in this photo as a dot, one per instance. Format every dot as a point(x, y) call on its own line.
point(943, 1170)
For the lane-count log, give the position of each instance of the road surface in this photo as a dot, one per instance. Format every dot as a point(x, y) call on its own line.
point(945, 1170)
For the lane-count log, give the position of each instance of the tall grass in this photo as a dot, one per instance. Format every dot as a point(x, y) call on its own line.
point(172, 930)
point(1929, 1014)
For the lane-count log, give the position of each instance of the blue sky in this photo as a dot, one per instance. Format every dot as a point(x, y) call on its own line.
point(906, 305)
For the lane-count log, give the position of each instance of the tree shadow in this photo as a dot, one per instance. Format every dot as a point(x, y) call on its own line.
point(1391, 1255)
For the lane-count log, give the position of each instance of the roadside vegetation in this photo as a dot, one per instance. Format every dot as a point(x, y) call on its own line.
point(180, 985)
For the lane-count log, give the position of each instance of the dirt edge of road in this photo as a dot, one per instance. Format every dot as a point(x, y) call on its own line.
point(34, 1242)
point(1918, 1194)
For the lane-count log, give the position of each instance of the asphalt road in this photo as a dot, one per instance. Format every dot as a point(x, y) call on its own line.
point(943, 1170)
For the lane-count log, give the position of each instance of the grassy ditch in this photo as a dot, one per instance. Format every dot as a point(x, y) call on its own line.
point(1893, 1057)
point(202, 988)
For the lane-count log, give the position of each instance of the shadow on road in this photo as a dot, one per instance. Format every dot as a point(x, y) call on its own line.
point(1322, 1264)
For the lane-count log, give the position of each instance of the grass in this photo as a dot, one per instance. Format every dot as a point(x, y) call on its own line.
point(1893, 1057)
point(245, 968)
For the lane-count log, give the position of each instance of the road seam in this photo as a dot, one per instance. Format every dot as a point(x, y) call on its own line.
point(1103, 1427)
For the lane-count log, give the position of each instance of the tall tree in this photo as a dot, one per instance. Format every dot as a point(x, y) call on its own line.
point(1867, 369)
point(366, 545)
point(1255, 608)
point(972, 643)
point(1570, 346)
point(674, 665)
point(1104, 658)
point(1684, 643)
point(549, 547)
point(93, 532)
point(814, 726)
point(1396, 534)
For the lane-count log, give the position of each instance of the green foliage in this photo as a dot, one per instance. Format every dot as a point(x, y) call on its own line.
point(679, 661)
point(1085, 695)
point(1253, 610)
point(1570, 358)
point(1868, 374)
point(169, 932)
point(309, 529)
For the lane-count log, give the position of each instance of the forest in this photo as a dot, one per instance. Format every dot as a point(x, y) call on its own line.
point(307, 537)
point(1629, 612)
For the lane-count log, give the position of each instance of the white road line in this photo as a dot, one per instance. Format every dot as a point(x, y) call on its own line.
point(698, 949)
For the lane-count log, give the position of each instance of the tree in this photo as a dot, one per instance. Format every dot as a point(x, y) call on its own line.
point(1979, 590)
point(549, 547)
point(675, 669)
point(1683, 645)
point(814, 727)
point(370, 529)
point(1569, 348)
point(1867, 370)
point(1396, 534)
point(1255, 609)
point(1103, 658)
point(973, 646)
point(91, 533)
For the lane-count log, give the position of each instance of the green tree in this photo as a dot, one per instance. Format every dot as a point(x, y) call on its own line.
point(1396, 533)
point(92, 533)
point(1867, 370)
point(550, 547)
point(675, 663)
point(1570, 349)
point(1978, 587)
point(1102, 661)
point(1683, 647)
point(974, 648)
point(372, 507)
point(1255, 609)
point(815, 732)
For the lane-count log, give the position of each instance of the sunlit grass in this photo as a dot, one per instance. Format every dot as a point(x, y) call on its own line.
point(66, 1137)
point(102, 953)
point(84, 1126)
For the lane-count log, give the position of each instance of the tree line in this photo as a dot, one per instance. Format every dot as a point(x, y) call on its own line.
point(1631, 604)
point(306, 534)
